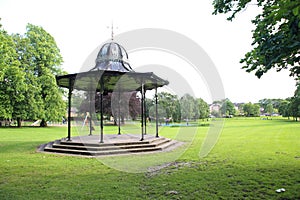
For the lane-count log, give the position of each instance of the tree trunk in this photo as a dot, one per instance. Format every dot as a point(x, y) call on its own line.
point(19, 122)
point(43, 123)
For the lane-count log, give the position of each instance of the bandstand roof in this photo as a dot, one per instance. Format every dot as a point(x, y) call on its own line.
point(111, 81)
point(111, 72)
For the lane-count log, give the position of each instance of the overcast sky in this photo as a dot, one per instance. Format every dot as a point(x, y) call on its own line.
point(81, 26)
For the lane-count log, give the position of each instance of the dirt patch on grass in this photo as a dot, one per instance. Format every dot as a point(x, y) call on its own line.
point(169, 167)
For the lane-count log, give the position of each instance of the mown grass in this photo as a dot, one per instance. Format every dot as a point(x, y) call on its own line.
point(251, 160)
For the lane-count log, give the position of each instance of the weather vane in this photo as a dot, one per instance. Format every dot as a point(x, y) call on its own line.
point(112, 30)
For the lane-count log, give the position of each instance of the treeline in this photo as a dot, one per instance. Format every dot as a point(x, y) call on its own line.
point(289, 107)
point(174, 108)
point(171, 108)
point(28, 65)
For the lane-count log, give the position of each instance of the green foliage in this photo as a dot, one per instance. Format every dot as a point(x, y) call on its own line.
point(169, 106)
point(46, 61)
point(294, 106)
point(203, 109)
point(269, 109)
point(227, 107)
point(276, 38)
point(216, 113)
point(291, 106)
point(284, 108)
point(187, 106)
point(274, 102)
point(28, 65)
point(31, 106)
point(251, 110)
point(44, 52)
point(12, 86)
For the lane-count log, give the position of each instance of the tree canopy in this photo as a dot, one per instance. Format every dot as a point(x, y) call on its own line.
point(12, 79)
point(202, 107)
point(294, 106)
point(227, 107)
point(276, 38)
point(187, 106)
point(28, 66)
point(169, 106)
point(251, 110)
point(173, 108)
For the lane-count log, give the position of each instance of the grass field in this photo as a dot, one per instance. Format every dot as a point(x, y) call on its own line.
point(251, 160)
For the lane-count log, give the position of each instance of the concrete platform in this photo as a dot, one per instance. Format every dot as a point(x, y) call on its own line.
point(113, 145)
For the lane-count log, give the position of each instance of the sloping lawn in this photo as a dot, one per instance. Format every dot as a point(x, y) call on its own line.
point(252, 159)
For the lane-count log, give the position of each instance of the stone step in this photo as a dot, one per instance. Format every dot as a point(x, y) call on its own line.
point(67, 151)
point(99, 149)
point(103, 148)
point(168, 145)
point(158, 139)
point(109, 146)
point(98, 153)
point(153, 144)
point(102, 144)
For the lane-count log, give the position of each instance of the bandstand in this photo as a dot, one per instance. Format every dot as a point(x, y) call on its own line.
point(111, 73)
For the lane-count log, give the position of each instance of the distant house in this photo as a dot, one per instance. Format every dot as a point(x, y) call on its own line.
point(239, 109)
point(214, 107)
point(237, 106)
point(262, 111)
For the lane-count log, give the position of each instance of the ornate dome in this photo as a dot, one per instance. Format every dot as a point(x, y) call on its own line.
point(113, 57)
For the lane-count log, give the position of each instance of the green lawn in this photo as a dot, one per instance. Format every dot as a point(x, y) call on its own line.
point(252, 159)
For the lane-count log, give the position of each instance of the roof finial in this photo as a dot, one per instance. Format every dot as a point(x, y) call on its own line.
point(112, 31)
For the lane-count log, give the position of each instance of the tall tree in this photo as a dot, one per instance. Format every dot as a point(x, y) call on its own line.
point(31, 106)
point(251, 110)
point(203, 108)
point(46, 60)
point(269, 109)
point(227, 107)
point(28, 66)
point(176, 114)
point(276, 38)
point(284, 108)
point(12, 86)
point(187, 107)
point(170, 104)
point(295, 103)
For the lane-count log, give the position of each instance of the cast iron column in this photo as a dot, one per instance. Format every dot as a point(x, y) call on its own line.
point(119, 113)
point(69, 110)
point(101, 110)
point(101, 117)
point(145, 117)
point(142, 111)
point(90, 112)
point(156, 112)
